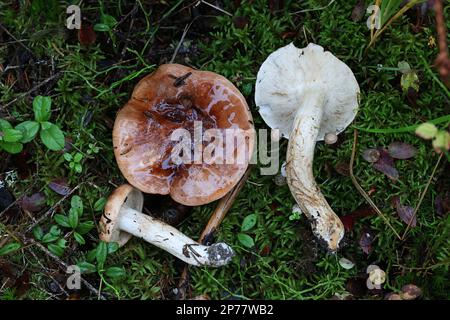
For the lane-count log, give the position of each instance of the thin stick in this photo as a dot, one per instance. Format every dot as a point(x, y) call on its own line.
point(64, 265)
point(315, 9)
point(215, 220)
point(361, 190)
point(30, 91)
point(186, 29)
point(422, 195)
point(215, 7)
point(52, 209)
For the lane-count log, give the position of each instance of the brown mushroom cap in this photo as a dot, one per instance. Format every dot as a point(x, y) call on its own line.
point(109, 223)
point(173, 97)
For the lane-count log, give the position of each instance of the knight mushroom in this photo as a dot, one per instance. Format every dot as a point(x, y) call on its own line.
point(306, 94)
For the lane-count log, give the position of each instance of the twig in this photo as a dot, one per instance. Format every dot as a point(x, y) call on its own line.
point(30, 91)
point(52, 209)
point(186, 29)
point(442, 60)
point(64, 265)
point(214, 7)
point(361, 190)
point(422, 195)
point(315, 9)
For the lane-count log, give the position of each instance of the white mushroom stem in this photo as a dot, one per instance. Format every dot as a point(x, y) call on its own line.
point(173, 241)
point(299, 169)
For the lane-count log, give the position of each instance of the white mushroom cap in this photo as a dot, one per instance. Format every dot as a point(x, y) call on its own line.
point(290, 72)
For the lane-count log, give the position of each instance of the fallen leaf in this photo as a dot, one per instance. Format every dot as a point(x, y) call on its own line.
point(442, 204)
point(392, 296)
point(385, 164)
point(405, 213)
point(346, 264)
point(361, 212)
point(86, 34)
point(365, 241)
point(343, 168)
point(359, 10)
point(60, 186)
point(410, 292)
point(356, 286)
point(401, 150)
point(371, 155)
point(240, 22)
point(426, 131)
point(265, 251)
point(33, 203)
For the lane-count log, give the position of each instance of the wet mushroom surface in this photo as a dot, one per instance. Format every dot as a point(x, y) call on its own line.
point(178, 97)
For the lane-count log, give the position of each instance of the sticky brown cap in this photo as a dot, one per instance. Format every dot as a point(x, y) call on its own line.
point(175, 97)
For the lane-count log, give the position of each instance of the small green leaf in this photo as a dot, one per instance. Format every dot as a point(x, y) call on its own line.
point(53, 138)
point(442, 141)
point(61, 243)
point(246, 240)
point(102, 252)
point(409, 80)
point(11, 147)
point(112, 247)
point(77, 204)
point(49, 238)
point(46, 125)
point(249, 222)
point(41, 108)
point(4, 124)
point(115, 272)
point(108, 20)
point(404, 67)
point(79, 238)
point(426, 130)
point(62, 220)
point(78, 168)
point(38, 233)
point(29, 130)
point(85, 227)
point(73, 218)
point(54, 230)
point(56, 250)
point(68, 157)
point(99, 205)
point(12, 135)
point(10, 247)
point(86, 267)
point(101, 27)
point(71, 165)
point(91, 255)
point(78, 156)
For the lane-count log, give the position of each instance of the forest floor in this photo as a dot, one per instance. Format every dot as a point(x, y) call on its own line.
point(90, 74)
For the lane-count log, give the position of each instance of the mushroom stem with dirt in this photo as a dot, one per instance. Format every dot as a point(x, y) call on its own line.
point(306, 94)
point(123, 218)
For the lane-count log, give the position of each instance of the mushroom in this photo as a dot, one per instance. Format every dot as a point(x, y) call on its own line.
point(178, 97)
point(123, 218)
point(307, 93)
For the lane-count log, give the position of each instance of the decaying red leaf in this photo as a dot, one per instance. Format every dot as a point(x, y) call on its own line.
point(410, 292)
point(401, 150)
point(359, 10)
point(371, 155)
point(343, 168)
point(60, 186)
point(33, 203)
point(240, 22)
point(405, 213)
point(365, 241)
point(385, 164)
point(442, 204)
point(350, 219)
point(86, 35)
